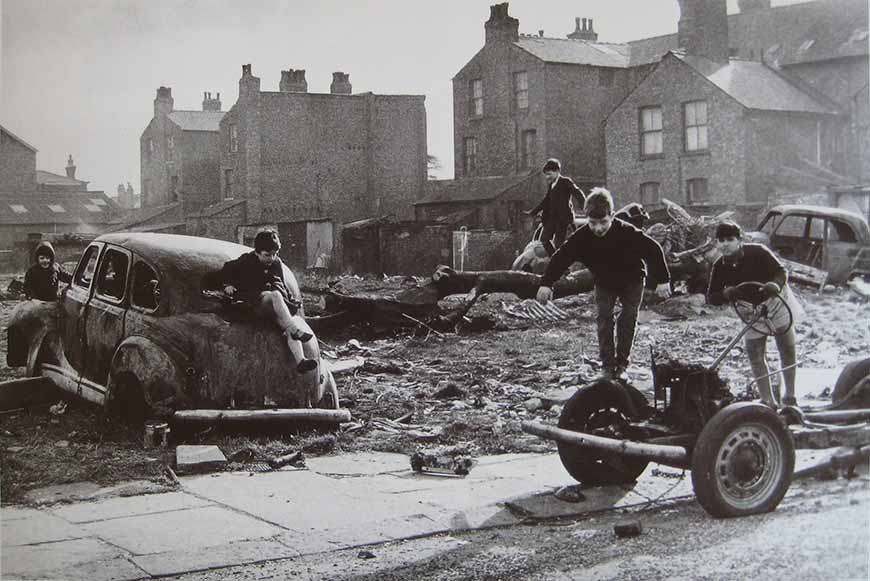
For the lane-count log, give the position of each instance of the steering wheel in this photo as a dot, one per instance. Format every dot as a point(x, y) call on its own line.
point(771, 317)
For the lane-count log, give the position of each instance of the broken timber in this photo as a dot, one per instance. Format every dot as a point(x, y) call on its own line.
point(269, 415)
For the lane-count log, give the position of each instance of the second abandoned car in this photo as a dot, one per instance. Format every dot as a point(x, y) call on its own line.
point(134, 332)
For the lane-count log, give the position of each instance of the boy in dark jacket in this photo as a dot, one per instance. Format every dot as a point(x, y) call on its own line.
point(620, 257)
point(41, 280)
point(557, 213)
point(257, 279)
point(753, 262)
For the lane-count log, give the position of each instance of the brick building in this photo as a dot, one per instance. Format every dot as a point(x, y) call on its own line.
point(523, 98)
point(706, 127)
point(179, 154)
point(17, 163)
point(319, 159)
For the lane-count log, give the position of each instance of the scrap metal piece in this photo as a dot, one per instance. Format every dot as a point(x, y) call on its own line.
point(442, 462)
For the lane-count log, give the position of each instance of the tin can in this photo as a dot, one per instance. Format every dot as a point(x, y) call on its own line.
point(156, 434)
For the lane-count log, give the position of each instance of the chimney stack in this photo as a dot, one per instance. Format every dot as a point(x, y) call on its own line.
point(163, 102)
point(501, 27)
point(249, 85)
point(211, 104)
point(583, 30)
point(703, 29)
point(70, 168)
point(293, 81)
point(340, 84)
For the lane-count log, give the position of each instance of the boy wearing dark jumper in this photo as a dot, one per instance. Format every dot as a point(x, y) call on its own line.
point(41, 280)
point(257, 279)
point(620, 257)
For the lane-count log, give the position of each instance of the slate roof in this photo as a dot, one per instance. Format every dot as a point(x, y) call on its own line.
point(474, 189)
point(789, 34)
point(578, 52)
point(18, 139)
point(197, 120)
point(756, 86)
point(220, 207)
point(48, 178)
point(137, 216)
point(73, 208)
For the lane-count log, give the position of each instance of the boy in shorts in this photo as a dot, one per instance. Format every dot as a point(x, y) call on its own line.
point(744, 262)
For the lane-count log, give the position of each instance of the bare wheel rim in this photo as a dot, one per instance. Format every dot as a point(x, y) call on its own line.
point(749, 465)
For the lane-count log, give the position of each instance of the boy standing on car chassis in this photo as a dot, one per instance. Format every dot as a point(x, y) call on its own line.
point(753, 262)
point(257, 278)
point(620, 258)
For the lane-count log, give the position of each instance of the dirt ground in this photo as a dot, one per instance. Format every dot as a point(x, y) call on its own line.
point(470, 390)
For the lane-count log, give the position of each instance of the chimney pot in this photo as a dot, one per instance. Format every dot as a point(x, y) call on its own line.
point(340, 84)
point(70, 168)
point(584, 25)
point(590, 26)
point(541, 33)
point(501, 27)
point(293, 81)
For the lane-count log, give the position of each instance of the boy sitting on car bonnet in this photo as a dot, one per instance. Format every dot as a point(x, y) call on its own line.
point(257, 279)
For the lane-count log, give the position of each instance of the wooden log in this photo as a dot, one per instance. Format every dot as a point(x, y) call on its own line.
point(270, 415)
point(20, 393)
point(676, 456)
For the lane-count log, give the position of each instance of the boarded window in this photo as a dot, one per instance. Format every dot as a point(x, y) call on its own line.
point(521, 90)
point(651, 131)
point(470, 155)
point(696, 190)
point(475, 104)
point(529, 149)
point(234, 138)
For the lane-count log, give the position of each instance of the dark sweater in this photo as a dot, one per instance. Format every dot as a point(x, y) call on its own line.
point(620, 257)
point(250, 277)
point(753, 262)
point(555, 206)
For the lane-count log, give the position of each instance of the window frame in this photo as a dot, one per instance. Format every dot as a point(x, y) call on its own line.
point(85, 261)
point(528, 154)
point(521, 90)
point(229, 183)
point(170, 148)
point(691, 126)
point(644, 131)
point(690, 187)
point(475, 101)
point(233, 138)
point(104, 261)
point(134, 303)
point(469, 155)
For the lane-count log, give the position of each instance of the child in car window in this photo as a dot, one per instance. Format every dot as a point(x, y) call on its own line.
point(41, 280)
point(257, 279)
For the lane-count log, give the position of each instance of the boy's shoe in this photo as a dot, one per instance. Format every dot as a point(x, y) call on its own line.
point(302, 336)
point(789, 400)
point(306, 365)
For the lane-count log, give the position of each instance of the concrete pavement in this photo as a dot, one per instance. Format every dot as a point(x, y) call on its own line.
point(218, 520)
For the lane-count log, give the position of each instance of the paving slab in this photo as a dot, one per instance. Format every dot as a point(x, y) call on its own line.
point(197, 459)
point(367, 463)
point(192, 528)
point(10, 513)
point(72, 559)
point(127, 506)
point(236, 553)
point(38, 527)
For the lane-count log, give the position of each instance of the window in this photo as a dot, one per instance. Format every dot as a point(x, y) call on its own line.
point(149, 149)
point(87, 266)
point(649, 193)
point(470, 155)
point(170, 148)
point(521, 90)
point(696, 190)
point(56, 208)
point(146, 287)
point(475, 103)
point(529, 149)
point(839, 231)
point(695, 118)
point(234, 138)
point(650, 131)
point(173, 188)
point(18, 208)
point(605, 77)
point(146, 189)
point(817, 228)
point(793, 227)
point(93, 208)
point(113, 274)
point(228, 184)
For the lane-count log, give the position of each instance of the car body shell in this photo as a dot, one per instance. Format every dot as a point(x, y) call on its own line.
point(834, 240)
point(175, 350)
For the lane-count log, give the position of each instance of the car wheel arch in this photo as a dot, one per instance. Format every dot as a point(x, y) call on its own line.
point(141, 362)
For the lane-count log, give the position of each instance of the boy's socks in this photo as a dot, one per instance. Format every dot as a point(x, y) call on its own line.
point(302, 336)
point(306, 365)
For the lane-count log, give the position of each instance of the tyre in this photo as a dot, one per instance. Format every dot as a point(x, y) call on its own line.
point(127, 401)
point(742, 461)
point(851, 375)
point(602, 408)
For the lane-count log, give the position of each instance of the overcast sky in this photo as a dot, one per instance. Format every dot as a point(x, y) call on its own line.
point(79, 76)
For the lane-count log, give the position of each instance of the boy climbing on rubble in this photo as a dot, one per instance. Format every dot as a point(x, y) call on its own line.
point(753, 262)
point(41, 280)
point(257, 279)
point(620, 258)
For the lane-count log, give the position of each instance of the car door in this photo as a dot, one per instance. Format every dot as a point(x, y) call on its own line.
point(841, 249)
point(104, 317)
point(74, 300)
point(791, 240)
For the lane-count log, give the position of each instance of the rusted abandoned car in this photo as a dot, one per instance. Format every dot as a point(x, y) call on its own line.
point(833, 240)
point(135, 332)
